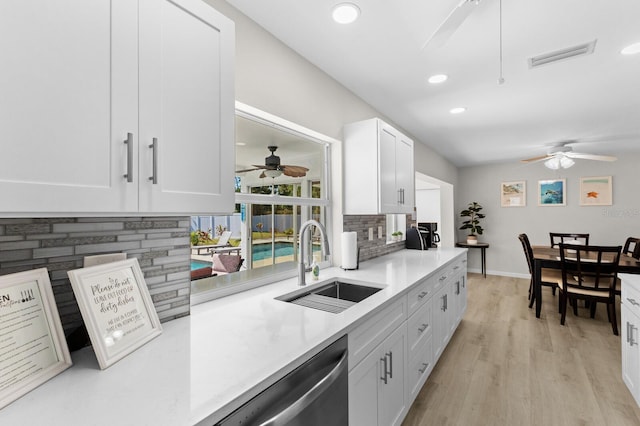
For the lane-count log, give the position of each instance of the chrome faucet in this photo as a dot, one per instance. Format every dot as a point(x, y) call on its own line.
point(325, 248)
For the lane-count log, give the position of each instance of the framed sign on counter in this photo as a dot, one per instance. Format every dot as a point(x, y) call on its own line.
point(33, 348)
point(116, 307)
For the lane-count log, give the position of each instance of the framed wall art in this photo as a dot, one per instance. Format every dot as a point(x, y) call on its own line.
point(33, 348)
point(116, 307)
point(552, 192)
point(513, 194)
point(596, 191)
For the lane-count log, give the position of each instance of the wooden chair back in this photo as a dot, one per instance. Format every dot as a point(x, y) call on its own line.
point(528, 251)
point(559, 237)
point(632, 247)
point(593, 268)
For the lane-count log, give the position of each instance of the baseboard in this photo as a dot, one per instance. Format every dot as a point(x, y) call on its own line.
point(499, 273)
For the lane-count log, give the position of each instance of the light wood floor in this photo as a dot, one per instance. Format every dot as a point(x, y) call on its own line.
point(505, 367)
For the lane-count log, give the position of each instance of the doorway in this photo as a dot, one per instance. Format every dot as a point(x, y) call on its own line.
point(434, 203)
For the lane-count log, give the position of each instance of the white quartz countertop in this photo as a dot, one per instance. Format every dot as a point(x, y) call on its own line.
point(204, 366)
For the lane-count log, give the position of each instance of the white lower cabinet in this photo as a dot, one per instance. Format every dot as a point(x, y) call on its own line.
point(630, 324)
point(377, 384)
point(392, 354)
point(443, 315)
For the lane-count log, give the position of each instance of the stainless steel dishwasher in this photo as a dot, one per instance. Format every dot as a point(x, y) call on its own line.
point(314, 394)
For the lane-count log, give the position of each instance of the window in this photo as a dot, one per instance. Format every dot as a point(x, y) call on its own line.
point(396, 227)
point(281, 181)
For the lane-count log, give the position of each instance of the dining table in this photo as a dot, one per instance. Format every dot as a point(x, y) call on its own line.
point(549, 257)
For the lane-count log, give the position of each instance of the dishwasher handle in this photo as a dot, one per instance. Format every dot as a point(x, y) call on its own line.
point(305, 400)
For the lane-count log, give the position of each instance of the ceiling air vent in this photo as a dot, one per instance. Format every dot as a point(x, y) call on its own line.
point(559, 55)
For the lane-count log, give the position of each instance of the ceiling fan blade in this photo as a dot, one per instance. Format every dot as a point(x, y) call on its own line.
point(250, 170)
point(294, 171)
point(536, 159)
point(451, 24)
point(591, 156)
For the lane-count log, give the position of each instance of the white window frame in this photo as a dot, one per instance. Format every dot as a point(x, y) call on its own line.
point(246, 280)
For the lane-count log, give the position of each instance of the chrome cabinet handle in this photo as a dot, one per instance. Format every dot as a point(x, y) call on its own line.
point(423, 294)
point(424, 368)
point(129, 142)
point(458, 287)
point(390, 353)
point(154, 173)
point(464, 280)
point(423, 327)
point(633, 302)
point(442, 278)
point(384, 369)
point(456, 267)
point(631, 341)
point(628, 331)
point(285, 416)
point(446, 302)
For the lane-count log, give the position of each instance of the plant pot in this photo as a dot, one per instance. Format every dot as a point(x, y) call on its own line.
point(472, 239)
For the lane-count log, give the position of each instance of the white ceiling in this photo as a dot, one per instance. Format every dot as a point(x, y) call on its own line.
point(593, 99)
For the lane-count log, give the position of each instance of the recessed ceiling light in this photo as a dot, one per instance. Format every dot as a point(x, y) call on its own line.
point(458, 110)
point(345, 13)
point(632, 49)
point(438, 78)
point(240, 144)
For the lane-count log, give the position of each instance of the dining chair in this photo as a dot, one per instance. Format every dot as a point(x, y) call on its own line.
point(559, 237)
point(589, 273)
point(549, 277)
point(632, 247)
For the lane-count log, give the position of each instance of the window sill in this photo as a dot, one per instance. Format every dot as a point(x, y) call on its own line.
point(206, 289)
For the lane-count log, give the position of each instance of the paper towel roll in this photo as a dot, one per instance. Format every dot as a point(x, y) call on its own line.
point(349, 242)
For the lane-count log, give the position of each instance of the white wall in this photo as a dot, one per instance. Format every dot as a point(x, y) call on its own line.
point(428, 205)
point(607, 225)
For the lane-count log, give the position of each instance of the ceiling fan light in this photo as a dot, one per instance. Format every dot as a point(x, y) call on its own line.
point(552, 163)
point(272, 173)
point(566, 162)
point(345, 13)
point(457, 110)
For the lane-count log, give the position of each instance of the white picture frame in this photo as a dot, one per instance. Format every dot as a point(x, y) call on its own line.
point(116, 307)
point(596, 191)
point(513, 194)
point(33, 348)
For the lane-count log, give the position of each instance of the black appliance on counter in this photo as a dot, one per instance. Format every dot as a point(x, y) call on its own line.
point(415, 240)
point(429, 234)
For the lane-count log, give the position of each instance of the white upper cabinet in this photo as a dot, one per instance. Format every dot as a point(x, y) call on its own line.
point(80, 78)
point(378, 169)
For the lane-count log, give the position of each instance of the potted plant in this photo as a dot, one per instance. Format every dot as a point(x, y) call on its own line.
point(473, 222)
point(396, 236)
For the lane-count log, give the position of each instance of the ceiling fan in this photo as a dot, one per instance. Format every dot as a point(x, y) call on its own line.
point(561, 155)
point(451, 23)
point(272, 167)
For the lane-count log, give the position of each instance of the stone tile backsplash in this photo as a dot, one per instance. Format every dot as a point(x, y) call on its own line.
point(161, 245)
point(377, 246)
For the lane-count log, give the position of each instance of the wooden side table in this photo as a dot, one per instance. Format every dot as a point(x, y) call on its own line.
point(483, 253)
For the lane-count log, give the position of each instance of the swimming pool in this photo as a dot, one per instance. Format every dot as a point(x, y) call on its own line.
point(263, 251)
point(198, 264)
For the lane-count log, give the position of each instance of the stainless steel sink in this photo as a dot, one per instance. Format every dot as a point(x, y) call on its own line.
point(333, 296)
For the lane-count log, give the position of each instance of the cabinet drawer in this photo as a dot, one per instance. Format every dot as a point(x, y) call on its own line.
point(421, 293)
point(420, 366)
point(631, 294)
point(441, 277)
point(420, 326)
point(364, 338)
point(459, 266)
